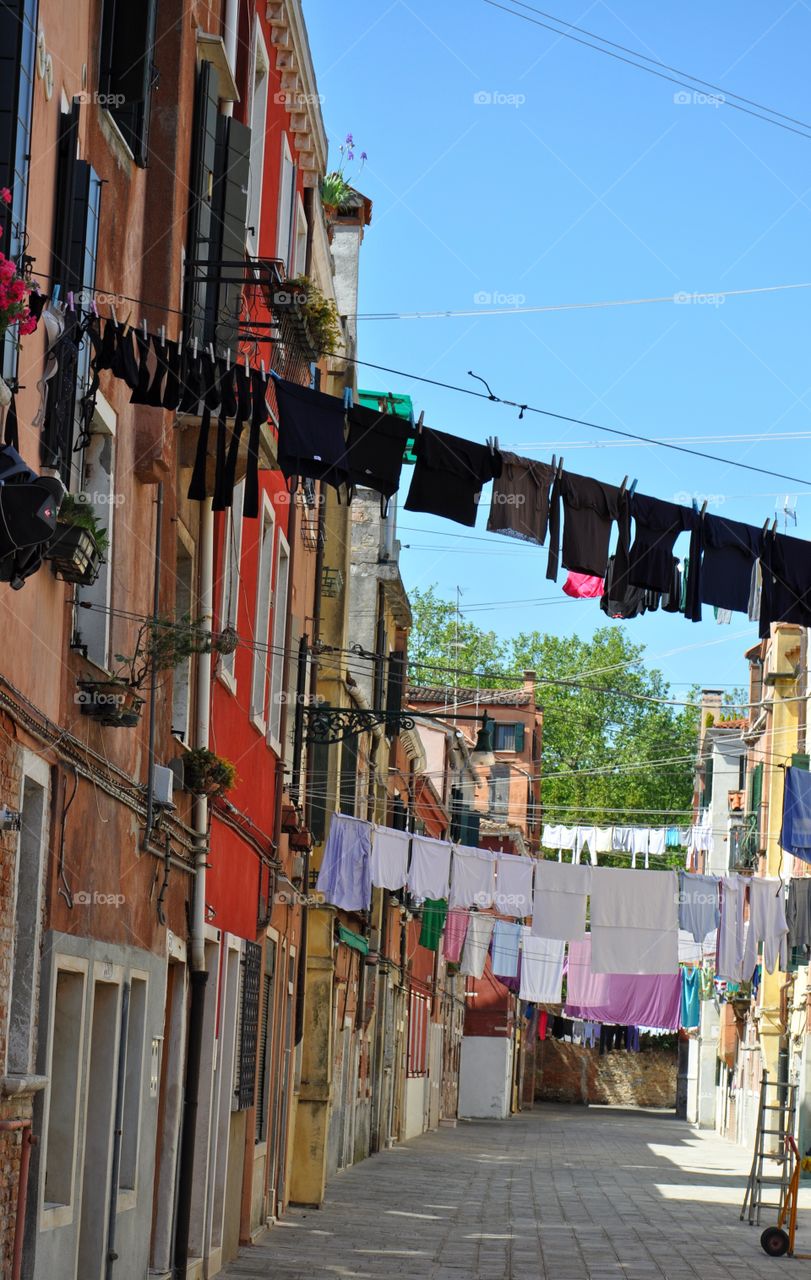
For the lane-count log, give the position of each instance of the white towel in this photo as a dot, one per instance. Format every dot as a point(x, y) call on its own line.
point(477, 942)
point(622, 839)
point(473, 877)
point(567, 837)
point(657, 840)
point(389, 857)
point(550, 836)
point(541, 968)
point(559, 905)
point(430, 867)
point(634, 921)
point(514, 884)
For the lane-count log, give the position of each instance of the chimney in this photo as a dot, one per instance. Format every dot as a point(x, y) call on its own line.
point(529, 683)
point(710, 707)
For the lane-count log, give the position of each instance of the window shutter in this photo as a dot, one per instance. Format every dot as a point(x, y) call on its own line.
point(708, 780)
point(757, 787)
point(470, 828)
point(249, 1026)
point(394, 691)
point(349, 774)
point(519, 737)
point(230, 209)
point(200, 249)
point(800, 761)
point(126, 71)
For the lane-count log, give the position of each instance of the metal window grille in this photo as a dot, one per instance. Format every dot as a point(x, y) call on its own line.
point(249, 1026)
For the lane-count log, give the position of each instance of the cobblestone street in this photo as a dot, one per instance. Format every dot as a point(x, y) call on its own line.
point(559, 1192)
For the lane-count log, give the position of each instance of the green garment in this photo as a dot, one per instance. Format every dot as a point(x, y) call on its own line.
point(434, 911)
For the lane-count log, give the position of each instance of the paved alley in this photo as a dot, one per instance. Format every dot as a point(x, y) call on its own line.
point(559, 1192)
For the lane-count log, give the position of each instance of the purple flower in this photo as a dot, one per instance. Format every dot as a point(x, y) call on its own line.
point(350, 155)
point(363, 155)
point(350, 140)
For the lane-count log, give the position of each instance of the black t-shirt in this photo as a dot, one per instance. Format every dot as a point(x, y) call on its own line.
point(730, 549)
point(449, 474)
point(311, 434)
point(657, 525)
point(375, 448)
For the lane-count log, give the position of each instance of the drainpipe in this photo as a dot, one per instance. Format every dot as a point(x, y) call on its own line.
point(28, 1141)
point(153, 682)
point(112, 1256)
point(198, 976)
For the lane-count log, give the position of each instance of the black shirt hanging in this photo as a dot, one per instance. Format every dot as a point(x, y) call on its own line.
point(375, 446)
point(449, 474)
point(311, 434)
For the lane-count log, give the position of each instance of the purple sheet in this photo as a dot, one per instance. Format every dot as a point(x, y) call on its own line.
point(640, 1000)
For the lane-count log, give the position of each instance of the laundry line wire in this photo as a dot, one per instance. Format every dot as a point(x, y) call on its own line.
point(776, 118)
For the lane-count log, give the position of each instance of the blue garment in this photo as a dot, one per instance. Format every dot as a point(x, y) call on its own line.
point(506, 937)
point(345, 878)
point(672, 838)
point(795, 833)
point(699, 910)
point(690, 999)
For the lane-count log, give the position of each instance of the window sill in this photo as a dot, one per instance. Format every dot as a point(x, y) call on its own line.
point(115, 139)
point(259, 724)
point(227, 679)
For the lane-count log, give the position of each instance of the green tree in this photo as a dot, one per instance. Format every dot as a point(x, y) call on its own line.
point(616, 750)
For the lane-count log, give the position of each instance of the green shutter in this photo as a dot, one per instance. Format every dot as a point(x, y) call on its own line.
point(519, 737)
point(757, 787)
point(800, 761)
point(708, 780)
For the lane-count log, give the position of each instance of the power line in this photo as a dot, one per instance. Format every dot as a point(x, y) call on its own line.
point(579, 422)
point(675, 298)
point(775, 118)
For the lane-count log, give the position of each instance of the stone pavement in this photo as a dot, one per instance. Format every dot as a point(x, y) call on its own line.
point(568, 1193)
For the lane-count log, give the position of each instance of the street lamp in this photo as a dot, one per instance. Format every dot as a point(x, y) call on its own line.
point(482, 756)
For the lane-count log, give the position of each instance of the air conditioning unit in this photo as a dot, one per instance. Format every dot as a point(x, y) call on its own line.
point(162, 786)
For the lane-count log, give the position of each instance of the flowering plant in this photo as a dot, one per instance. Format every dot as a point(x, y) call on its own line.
point(336, 185)
point(13, 291)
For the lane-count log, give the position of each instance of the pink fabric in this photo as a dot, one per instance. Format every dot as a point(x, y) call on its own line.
point(639, 1000)
point(455, 933)
point(583, 586)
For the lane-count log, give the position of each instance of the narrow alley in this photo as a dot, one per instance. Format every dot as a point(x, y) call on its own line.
point(561, 1192)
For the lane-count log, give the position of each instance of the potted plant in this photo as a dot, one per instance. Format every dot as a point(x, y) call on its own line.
point(14, 307)
point(206, 773)
point(318, 320)
point(335, 186)
point(76, 550)
point(161, 644)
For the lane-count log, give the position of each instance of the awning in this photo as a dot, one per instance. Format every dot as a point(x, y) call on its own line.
point(353, 940)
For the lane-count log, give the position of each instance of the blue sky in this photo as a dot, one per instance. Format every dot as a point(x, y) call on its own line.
point(507, 161)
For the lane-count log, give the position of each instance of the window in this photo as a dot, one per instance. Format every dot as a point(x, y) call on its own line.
point(265, 1042)
point(286, 195)
point(261, 654)
point(279, 641)
point(248, 1026)
point(92, 626)
point(231, 560)
point(259, 106)
point(133, 1085)
point(300, 245)
point(508, 737)
point(66, 1042)
point(27, 904)
point(500, 791)
point(127, 74)
point(181, 675)
point(419, 1019)
point(18, 35)
point(349, 775)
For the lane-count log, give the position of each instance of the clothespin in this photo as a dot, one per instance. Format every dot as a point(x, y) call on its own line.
point(55, 292)
point(163, 335)
point(113, 314)
point(245, 361)
point(194, 349)
point(521, 414)
point(632, 489)
point(695, 506)
point(94, 308)
point(703, 511)
point(554, 463)
point(143, 326)
point(347, 397)
point(228, 359)
point(559, 472)
point(622, 486)
point(180, 342)
point(71, 303)
point(211, 352)
point(774, 525)
point(262, 367)
point(420, 422)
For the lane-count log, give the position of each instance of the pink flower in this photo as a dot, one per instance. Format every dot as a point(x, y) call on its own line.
point(28, 325)
point(5, 195)
point(7, 269)
point(17, 290)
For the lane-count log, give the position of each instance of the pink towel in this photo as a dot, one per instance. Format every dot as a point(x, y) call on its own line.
point(583, 586)
point(455, 931)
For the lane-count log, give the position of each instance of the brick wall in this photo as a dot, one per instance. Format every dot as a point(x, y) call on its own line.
point(573, 1073)
point(10, 1109)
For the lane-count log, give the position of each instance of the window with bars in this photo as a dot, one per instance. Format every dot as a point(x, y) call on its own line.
point(265, 1043)
point(419, 1018)
point(249, 1025)
point(500, 791)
